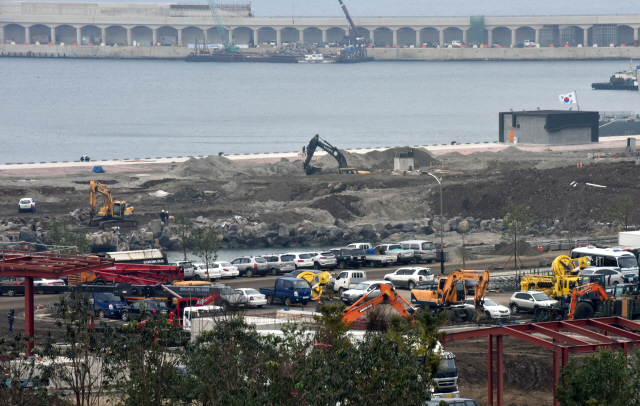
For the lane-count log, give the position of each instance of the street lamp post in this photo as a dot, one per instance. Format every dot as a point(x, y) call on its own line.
point(439, 180)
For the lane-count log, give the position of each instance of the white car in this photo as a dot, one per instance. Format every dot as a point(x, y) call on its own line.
point(410, 277)
point(323, 260)
point(227, 270)
point(492, 309)
point(188, 268)
point(27, 204)
point(200, 272)
point(363, 288)
point(302, 260)
point(253, 297)
point(42, 285)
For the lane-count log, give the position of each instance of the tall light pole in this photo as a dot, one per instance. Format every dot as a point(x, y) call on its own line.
point(439, 180)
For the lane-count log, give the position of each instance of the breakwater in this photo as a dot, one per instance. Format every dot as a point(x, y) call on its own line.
point(379, 54)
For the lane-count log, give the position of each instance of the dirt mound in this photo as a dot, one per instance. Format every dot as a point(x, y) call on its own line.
point(378, 160)
point(339, 206)
point(512, 151)
point(215, 166)
point(524, 249)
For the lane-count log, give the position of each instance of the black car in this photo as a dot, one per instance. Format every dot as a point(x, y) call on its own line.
point(151, 307)
point(349, 258)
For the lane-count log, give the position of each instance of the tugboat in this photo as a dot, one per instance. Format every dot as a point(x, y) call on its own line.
point(619, 81)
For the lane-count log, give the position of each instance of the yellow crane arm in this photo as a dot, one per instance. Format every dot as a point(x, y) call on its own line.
point(563, 265)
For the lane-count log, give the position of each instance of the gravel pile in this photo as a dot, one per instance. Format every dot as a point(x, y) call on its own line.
point(299, 49)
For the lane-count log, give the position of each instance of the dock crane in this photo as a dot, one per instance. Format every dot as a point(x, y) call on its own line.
point(229, 46)
point(354, 35)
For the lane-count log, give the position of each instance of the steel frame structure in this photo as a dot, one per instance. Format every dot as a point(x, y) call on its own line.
point(44, 265)
point(582, 338)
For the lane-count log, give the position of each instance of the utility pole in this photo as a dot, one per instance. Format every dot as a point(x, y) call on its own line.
point(439, 180)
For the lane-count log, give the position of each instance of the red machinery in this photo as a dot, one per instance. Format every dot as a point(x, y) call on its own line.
point(137, 274)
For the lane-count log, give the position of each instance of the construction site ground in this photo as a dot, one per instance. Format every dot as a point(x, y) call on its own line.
point(478, 182)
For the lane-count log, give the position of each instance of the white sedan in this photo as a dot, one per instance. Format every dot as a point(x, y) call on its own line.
point(201, 272)
point(227, 270)
point(42, 285)
point(253, 297)
point(492, 309)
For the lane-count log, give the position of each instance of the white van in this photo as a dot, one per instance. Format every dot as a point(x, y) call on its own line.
point(423, 250)
point(608, 257)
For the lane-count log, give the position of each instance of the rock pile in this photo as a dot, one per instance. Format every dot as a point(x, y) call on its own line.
point(298, 49)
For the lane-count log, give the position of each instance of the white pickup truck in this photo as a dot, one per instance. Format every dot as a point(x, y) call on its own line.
point(347, 280)
point(402, 256)
point(373, 257)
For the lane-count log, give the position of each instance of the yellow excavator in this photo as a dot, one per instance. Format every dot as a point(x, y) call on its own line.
point(450, 293)
point(317, 281)
point(112, 212)
point(566, 277)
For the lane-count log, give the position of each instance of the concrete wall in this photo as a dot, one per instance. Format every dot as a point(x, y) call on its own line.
point(531, 130)
point(572, 135)
point(504, 54)
point(119, 52)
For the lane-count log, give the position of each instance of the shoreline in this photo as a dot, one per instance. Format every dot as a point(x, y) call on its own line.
point(148, 163)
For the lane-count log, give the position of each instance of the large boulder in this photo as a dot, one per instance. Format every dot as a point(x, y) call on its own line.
point(147, 236)
point(335, 234)
point(166, 232)
point(464, 226)
point(368, 232)
point(249, 232)
point(307, 226)
point(283, 231)
point(155, 226)
point(104, 240)
point(165, 241)
point(28, 236)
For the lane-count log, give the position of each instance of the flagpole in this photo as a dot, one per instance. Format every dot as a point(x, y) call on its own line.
point(577, 104)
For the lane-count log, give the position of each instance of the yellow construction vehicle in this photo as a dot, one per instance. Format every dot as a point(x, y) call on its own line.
point(565, 277)
point(112, 212)
point(317, 281)
point(451, 292)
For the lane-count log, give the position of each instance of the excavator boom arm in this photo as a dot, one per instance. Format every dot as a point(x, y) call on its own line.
point(387, 294)
point(585, 290)
point(316, 142)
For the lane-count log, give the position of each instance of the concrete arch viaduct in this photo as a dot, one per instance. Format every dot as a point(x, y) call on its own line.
point(126, 23)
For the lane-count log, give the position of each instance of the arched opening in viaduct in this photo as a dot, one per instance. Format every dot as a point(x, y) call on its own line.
point(39, 33)
point(289, 34)
point(66, 34)
point(167, 36)
point(525, 33)
point(383, 37)
point(336, 34)
point(501, 36)
point(571, 36)
point(192, 34)
point(94, 33)
point(142, 35)
point(214, 36)
point(116, 34)
point(452, 34)
point(430, 36)
point(624, 33)
point(364, 32)
point(312, 35)
point(407, 36)
point(266, 35)
point(15, 33)
point(243, 35)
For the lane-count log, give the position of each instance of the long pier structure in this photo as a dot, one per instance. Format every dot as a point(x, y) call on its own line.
point(146, 24)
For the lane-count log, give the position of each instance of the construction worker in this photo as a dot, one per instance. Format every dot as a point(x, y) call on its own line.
point(11, 318)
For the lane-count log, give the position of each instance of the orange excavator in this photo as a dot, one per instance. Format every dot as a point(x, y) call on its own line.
point(450, 294)
point(112, 212)
point(579, 309)
point(385, 294)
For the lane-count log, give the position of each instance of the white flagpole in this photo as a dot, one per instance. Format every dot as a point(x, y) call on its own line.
point(577, 104)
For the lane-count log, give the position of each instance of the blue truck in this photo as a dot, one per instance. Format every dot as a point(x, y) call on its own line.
point(288, 290)
point(106, 304)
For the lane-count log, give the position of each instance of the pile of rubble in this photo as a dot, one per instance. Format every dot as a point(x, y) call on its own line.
point(298, 49)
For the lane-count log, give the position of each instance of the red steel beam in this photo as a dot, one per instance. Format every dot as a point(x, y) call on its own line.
point(556, 375)
point(529, 338)
point(586, 333)
point(556, 335)
point(29, 329)
point(490, 368)
point(615, 330)
point(499, 369)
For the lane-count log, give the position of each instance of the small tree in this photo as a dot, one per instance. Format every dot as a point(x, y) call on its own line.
point(59, 233)
point(620, 211)
point(205, 244)
point(78, 365)
point(184, 231)
point(602, 379)
point(514, 224)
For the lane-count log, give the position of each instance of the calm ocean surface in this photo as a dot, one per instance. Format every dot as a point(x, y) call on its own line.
point(60, 109)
